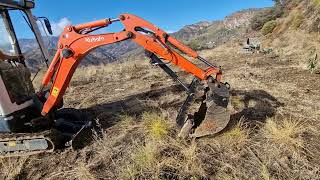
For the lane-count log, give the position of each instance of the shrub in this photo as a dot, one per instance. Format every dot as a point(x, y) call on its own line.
point(297, 21)
point(265, 16)
point(194, 44)
point(269, 27)
point(198, 44)
point(208, 39)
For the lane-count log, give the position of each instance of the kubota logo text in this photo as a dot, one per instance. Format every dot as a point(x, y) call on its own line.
point(94, 39)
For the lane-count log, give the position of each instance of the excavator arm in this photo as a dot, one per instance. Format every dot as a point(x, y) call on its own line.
point(75, 43)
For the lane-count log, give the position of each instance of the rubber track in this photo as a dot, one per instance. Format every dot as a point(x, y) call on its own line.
point(9, 137)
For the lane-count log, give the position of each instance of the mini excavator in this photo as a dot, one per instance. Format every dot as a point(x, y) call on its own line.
point(35, 122)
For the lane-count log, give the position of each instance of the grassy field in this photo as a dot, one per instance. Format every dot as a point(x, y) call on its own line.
point(273, 132)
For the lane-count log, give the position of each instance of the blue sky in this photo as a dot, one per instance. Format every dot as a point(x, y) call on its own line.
point(170, 15)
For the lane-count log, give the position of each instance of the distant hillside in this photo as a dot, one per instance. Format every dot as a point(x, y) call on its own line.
point(206, 35)
point(99, 56)
point(201, 35)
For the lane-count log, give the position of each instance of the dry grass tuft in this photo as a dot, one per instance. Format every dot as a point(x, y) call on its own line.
point(11, 168)
point(286, 133)
point(126, 121)
point(191, 162)
point(156, 126)
point(265, 173)
point(143, 162)
point(81, 172)
point(144, 158)
point(283, 149)
point(317, 2)
point(237, 102)
point(237, 137)
point(224, 176)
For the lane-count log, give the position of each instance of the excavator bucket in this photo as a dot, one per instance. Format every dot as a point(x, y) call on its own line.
point(211, 116)
point(216, 119)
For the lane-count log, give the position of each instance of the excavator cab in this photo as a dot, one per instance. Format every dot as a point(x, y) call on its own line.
point(16, 88)
point(23, 131)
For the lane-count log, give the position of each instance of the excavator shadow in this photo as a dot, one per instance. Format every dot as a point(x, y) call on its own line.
point(107, 115)
point(134, 105)
point(252, 107)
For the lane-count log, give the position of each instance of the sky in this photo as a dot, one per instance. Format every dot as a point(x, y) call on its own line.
point(170, 15)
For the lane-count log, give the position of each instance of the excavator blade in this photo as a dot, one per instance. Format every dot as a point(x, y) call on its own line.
point(212, 115)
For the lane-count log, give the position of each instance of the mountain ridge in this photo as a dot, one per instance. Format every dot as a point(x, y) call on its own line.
point(200, 35)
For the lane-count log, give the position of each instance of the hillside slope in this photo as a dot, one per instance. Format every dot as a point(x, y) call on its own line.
point(207, 35)
point(296, 38)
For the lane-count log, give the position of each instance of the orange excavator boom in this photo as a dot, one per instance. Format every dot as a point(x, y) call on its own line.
point(76, 42)
point(73, 46)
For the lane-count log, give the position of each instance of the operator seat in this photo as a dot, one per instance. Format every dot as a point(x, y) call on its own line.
point(16, 77)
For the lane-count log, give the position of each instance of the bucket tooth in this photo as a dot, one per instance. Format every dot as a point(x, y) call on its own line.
point(186, 129)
